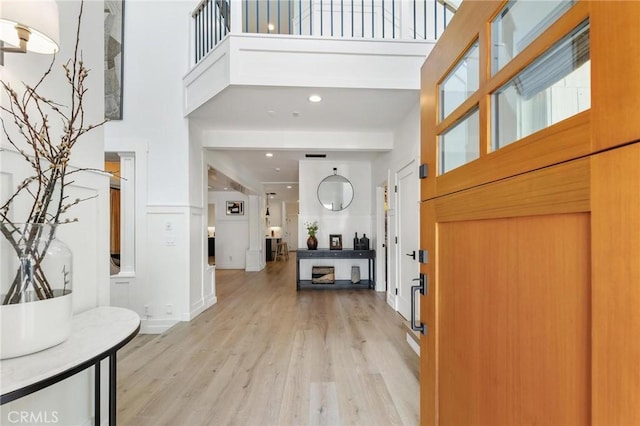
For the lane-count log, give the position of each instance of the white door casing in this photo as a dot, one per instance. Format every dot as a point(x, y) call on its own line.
point(392, 290)
point(408, 224)
point(380, 243)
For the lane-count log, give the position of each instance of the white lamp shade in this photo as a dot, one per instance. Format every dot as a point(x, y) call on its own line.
point(39, 16)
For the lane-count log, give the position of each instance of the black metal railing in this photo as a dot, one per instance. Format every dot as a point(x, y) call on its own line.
point(376, 19)
point(212, 21)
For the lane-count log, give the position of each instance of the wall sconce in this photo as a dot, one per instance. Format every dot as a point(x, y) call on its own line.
point(29, 26)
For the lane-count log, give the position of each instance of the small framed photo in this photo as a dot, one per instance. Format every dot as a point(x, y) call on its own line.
point(335, 241)
point(235, 208)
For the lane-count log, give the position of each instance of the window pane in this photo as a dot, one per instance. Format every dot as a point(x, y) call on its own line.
point(554, 87)
point(461, 143)
point(460, 83)
point(518, 24)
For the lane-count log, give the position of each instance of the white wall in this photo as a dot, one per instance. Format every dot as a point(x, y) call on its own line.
point(152, 100)
point(88, 239)
point(406, 149)
point(232, 231)
point(291, 225)
point(355, 218)
point(168, 284)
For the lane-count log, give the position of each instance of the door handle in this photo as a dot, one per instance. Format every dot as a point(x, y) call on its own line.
point(422, 287)
point(412, 255)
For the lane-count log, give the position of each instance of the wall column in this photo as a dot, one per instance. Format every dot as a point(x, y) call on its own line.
point(255, 256)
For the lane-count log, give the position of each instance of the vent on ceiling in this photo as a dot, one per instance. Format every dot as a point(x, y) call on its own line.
point(316, 155)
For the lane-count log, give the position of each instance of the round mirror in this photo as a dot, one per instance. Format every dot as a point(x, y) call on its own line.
point(335, 192)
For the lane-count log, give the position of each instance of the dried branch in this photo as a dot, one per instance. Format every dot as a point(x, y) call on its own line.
point(48, 155)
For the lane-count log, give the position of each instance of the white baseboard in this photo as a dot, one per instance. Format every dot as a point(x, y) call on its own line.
point(156, 326)
point(230, 266)
point(210, 300)
point(413, 344)
point(199, 307)
point(257, 268)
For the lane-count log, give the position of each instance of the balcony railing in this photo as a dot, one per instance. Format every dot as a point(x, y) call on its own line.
point(371, 19)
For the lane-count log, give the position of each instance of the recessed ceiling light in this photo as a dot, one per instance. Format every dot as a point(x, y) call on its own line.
point(315, 98)
point(288, 186)
point(277, 169)
point(269, 154)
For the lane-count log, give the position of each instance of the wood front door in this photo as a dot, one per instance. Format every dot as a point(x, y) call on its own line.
point(511, 307)
point(533, 306)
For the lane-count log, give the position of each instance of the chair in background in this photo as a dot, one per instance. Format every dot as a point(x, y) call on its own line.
point(282, 250)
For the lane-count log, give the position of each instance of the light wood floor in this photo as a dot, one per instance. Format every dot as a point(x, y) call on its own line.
point(268, 355)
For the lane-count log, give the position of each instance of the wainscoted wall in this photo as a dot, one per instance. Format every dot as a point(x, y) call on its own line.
point(167, 259)
point(203, 295)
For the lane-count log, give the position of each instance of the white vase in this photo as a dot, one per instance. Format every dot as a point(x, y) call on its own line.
point(31, 327)
point(35, 290)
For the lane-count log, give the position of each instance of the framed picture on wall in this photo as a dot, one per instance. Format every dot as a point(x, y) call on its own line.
point(113, 57)
point(235, 208)
point(335, 241)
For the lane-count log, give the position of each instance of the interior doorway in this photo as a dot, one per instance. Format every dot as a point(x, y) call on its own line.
point(211, 233)
point(382, 239)
point(122, 167)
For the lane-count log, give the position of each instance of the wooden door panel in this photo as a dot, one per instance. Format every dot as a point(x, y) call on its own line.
point(616, 286)
point(514, 321)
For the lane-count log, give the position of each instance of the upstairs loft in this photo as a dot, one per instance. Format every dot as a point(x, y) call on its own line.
point(345, 44)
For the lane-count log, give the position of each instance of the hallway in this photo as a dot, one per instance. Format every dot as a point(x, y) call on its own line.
point(268, 355)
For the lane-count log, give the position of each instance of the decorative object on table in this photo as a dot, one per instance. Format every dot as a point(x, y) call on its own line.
point(335, 192)
point(36, 310)
point(335, 241)
point(235, 208)
point(312, 228)
point(364, 242)
point(323, 275)
point(355, 274)
point(35, 268)
point(356, 243)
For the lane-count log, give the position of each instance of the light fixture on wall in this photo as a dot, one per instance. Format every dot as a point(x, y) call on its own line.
point(29, 26)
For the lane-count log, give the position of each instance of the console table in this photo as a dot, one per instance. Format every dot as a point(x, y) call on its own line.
point(370, 255)
point(96, 334)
